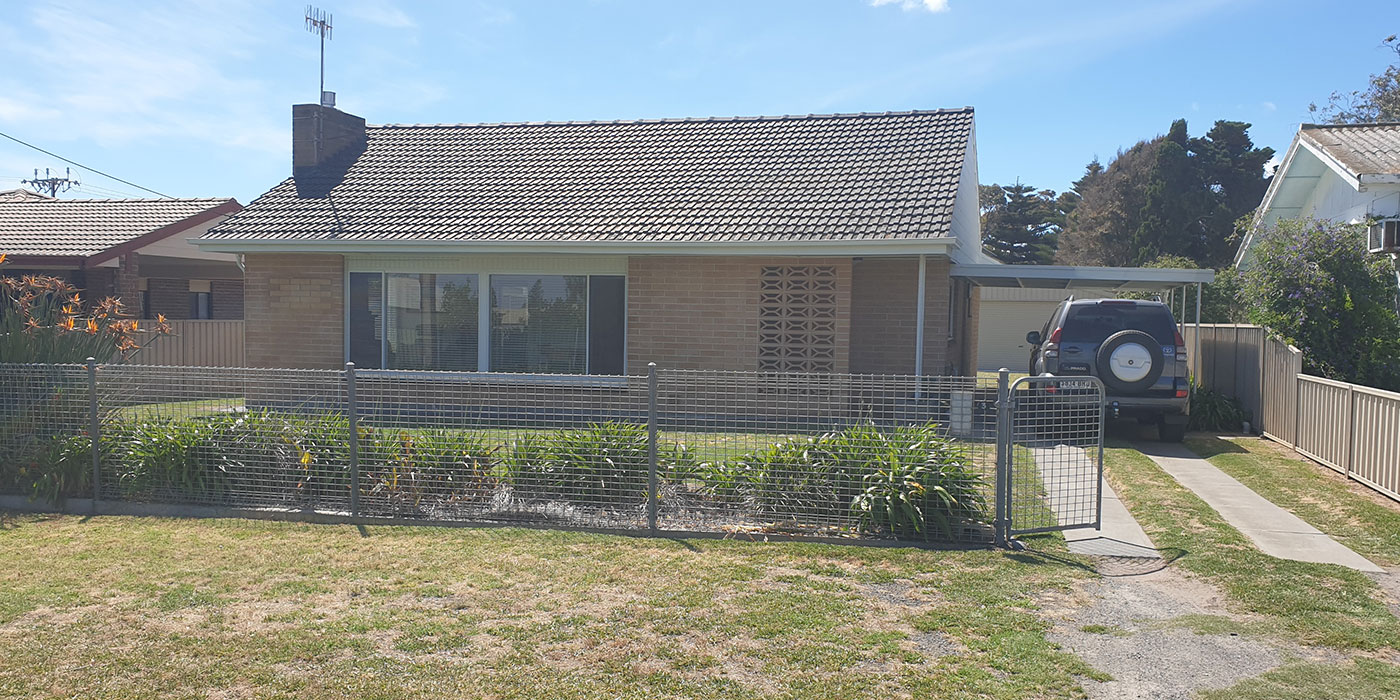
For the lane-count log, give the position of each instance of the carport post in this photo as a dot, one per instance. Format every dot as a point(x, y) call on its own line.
point(1002, 504)
point(1196, 342)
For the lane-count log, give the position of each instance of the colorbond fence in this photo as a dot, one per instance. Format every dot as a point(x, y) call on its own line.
point(194, 343)
point(1350, 428)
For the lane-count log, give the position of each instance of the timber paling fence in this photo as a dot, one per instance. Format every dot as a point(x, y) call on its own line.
point(827, 456)
point(1350, 428)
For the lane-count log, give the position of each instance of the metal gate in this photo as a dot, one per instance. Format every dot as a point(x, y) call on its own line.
point(1049, 455)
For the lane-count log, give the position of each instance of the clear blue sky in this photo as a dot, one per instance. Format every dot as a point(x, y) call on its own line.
point(193, 98)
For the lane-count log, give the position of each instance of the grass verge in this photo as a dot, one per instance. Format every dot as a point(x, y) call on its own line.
point(1363, 678)
point(1351, 513)
point(1316, 604)
point(138, 607)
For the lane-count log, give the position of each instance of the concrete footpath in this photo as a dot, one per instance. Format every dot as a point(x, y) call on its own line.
point(1066, 471)
point(1274, 530)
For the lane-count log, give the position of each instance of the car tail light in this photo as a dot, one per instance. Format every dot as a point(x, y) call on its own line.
point(1054, 336)
point(1180, 348)
point(1052, 345)
point(1181, 393)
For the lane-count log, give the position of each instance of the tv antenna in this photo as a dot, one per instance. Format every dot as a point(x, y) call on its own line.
point(52, 184)
point(318, 22)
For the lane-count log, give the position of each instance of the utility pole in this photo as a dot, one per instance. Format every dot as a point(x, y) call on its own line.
point(52, 184)
point(319, 22)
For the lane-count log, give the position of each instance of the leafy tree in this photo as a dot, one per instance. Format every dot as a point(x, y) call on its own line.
point(1173, 195)
point(1220, 300)
point(1379, 102)
point(1313, 283)
point(1019, 223)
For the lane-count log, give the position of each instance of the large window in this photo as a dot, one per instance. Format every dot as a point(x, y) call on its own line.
point(547, 324)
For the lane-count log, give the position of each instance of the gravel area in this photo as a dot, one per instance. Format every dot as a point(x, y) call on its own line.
point(1121, 625)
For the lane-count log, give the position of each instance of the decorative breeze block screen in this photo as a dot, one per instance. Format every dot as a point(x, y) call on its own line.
point(797, 318)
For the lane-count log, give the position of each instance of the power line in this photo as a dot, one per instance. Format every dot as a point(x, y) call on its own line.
point(84, 167)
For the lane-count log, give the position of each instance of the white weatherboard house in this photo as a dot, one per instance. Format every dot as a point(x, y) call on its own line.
point(1337, 172)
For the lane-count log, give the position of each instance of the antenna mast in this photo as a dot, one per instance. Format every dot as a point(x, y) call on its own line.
point(50, 184)
point(318, 22)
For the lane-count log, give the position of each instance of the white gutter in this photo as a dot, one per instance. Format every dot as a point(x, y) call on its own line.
point(883, 246)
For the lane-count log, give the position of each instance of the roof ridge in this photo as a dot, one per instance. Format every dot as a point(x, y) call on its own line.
point(687, 120)
point(144, 200)
point(1346, 126)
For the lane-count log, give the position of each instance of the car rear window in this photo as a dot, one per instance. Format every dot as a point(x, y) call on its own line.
point(1093, 323)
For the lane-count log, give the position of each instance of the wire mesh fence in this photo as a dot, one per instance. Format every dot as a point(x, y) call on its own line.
point(1054, 454)
point(824, 455)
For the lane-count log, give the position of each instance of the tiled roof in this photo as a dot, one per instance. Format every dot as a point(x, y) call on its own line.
point(21, 195)
point(1363, 149)
point(84, 227)
point(819, 177)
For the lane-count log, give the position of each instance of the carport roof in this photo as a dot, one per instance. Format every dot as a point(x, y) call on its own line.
point(1136, 279)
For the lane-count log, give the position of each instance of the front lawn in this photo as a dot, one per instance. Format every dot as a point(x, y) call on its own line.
point(142, 607)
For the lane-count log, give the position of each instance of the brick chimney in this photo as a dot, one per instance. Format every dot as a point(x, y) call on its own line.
point(319, 134)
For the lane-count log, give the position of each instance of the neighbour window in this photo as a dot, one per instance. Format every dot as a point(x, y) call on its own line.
point(201, 299)
point(549, 324)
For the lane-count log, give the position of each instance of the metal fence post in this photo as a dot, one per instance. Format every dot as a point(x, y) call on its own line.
point(1002, 505)
point(652, 496)
point(94, 433)
point(1351, 428)
point(352, 414)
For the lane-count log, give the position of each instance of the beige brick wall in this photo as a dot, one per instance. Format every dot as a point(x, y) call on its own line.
point(691, 312)
point(884, 306)
point(294, 307)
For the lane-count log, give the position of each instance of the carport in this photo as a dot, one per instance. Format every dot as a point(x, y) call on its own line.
point(1170, 283)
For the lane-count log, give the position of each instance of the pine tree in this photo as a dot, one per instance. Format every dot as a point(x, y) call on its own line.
point(1019, 224)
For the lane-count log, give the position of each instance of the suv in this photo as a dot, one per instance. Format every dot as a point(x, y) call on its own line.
point(1133, 347)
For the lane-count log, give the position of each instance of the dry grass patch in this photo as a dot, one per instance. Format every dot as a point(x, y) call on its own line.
point(146, 607)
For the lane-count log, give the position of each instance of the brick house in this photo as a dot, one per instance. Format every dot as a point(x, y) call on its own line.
point(137, 250)
point(823, 243)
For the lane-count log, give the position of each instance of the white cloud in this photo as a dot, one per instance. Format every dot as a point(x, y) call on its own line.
point(907, 5)
point(382, 13)
point(1270, 106)
point(1271, 166)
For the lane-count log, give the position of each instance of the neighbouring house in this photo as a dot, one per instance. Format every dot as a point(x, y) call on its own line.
point(135, 249)
point(1338, 172)
point(817, 243)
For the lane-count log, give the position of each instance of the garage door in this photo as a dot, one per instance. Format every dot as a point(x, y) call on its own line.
point(1001, 337)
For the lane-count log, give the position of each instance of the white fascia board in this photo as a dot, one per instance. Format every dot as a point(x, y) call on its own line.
point(1114, 276)
point(1380, 179)
point(928, 246)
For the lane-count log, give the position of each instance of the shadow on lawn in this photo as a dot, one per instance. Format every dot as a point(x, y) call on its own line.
point(1208, 446)
point(1106, 566)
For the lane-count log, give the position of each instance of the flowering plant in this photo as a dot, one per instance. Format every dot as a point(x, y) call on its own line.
point(43, 319)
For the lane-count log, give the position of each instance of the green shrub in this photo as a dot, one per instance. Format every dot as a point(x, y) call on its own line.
point(924, 484)
point(49, 468)
point(1215, 412)
point(865, 470)
point(408, 469)
point(601, 464)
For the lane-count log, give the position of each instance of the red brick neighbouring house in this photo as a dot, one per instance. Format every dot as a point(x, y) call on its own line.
point(134, 249)
point(796, 243)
